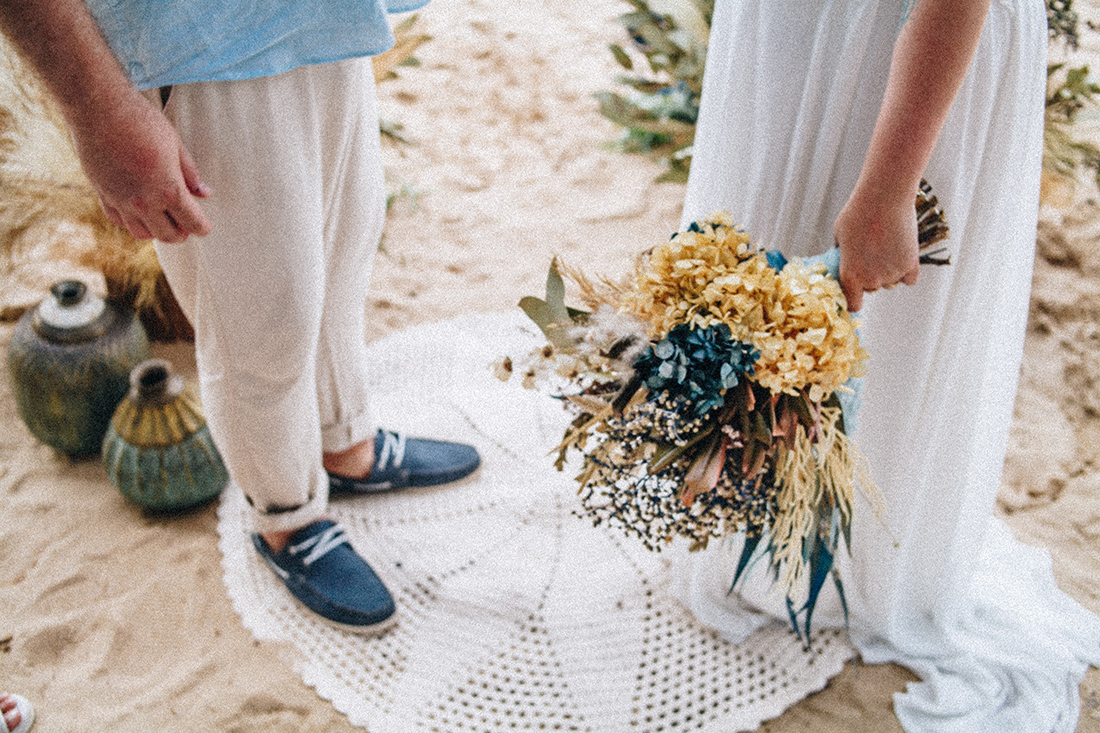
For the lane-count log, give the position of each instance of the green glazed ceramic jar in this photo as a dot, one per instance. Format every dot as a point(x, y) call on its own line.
point(69, 360)
point(158, 450)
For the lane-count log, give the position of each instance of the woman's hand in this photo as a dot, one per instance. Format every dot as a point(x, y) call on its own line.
point(878, 245)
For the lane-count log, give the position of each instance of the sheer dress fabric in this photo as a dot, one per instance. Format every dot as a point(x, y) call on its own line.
point(790, 97)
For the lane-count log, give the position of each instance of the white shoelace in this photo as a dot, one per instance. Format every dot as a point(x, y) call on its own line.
point(322, 544)
point(393, 451)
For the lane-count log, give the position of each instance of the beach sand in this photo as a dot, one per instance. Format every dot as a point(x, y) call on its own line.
point(114, 620)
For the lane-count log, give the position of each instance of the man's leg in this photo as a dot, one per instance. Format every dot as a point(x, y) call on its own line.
point(355, 210)
point(255, 289)
point(354, 218)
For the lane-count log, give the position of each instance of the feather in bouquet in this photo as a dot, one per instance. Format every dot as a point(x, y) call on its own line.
point(713, 392)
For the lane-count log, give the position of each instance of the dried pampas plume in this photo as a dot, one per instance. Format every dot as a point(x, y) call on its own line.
point(595, 293)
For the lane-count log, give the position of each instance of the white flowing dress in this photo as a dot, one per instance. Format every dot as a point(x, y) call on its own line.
point(791, 93)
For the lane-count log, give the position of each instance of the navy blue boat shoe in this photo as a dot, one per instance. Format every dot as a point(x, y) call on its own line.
point(322, 571)
point(400, 462)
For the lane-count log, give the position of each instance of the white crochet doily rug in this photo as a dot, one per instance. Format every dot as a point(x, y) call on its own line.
point(514, 613)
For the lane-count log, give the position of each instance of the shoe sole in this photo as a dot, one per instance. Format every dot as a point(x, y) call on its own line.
point(389, 487)
point(372, 630)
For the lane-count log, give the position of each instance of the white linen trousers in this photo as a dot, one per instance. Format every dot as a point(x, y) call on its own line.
point(276, 292)
point(790, 97)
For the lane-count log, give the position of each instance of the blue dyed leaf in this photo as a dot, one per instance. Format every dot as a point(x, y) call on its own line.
point(794, 620)
point(840, 592)
point(821, 563)
point(747, 551)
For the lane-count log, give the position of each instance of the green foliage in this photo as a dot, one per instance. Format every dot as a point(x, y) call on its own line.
point(1062, 22)
point(1069, 90)
point(407, 41)
point(553, 317)
point(658, 113)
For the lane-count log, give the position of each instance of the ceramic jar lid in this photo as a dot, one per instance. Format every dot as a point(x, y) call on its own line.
point(70, 313)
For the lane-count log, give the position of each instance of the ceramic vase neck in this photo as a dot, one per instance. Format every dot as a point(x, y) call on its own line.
point(154, 383)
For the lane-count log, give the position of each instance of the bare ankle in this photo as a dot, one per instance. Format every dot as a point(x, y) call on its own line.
point(276, 540)
point(355, 462)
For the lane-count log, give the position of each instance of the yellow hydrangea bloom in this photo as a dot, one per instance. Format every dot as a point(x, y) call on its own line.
point(796, 318)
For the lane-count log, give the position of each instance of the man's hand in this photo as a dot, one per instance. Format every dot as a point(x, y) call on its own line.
point(145, 178)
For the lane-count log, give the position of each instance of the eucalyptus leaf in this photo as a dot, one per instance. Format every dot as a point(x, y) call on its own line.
point(542, 314)
point(539, 312)
point(621, 56)
point(555, 294)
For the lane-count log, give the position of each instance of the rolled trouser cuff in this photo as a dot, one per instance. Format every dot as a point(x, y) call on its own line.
point(284, 519)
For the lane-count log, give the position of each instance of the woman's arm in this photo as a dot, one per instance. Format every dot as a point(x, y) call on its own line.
point(876, 230)
point(145, 178)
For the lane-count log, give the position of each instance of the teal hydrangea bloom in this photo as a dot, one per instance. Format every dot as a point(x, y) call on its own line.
point(696, 365)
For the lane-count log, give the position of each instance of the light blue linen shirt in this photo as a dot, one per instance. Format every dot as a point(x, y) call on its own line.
point(163, 42)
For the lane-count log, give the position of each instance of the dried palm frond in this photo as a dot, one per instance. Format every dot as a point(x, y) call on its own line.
point(931, 227)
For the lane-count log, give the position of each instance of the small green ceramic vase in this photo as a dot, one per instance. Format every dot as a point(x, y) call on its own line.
point(69, 360)
point(158, 451)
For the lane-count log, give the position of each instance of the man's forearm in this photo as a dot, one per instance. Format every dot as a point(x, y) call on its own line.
point(61, 41)
point(133, 157)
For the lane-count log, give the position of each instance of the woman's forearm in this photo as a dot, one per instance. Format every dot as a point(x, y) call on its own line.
point(930, 60)
point(877, 228)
